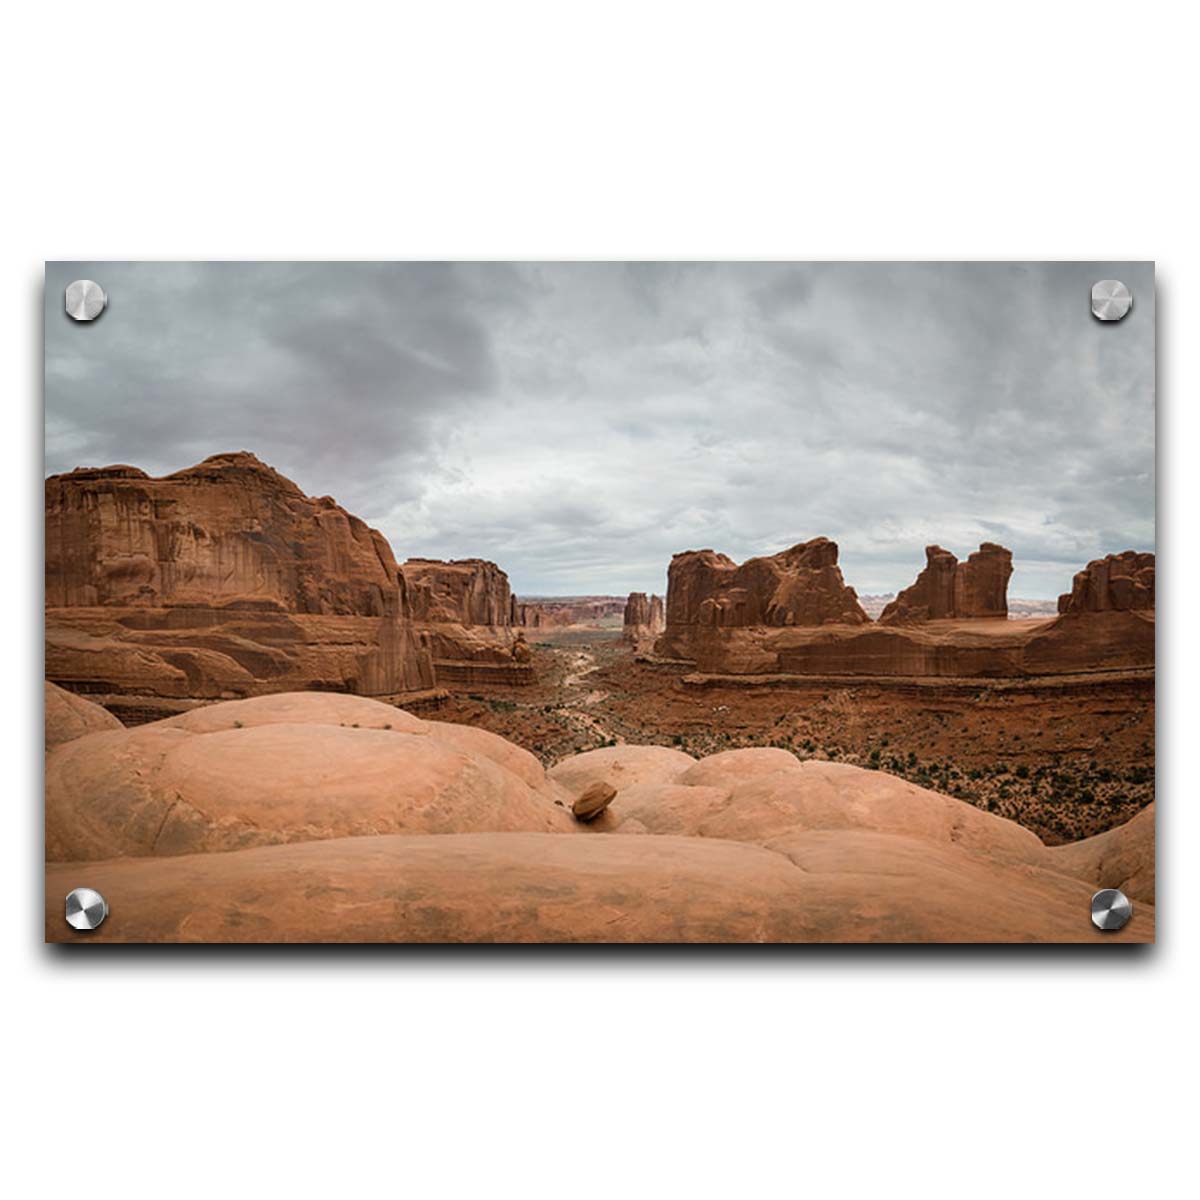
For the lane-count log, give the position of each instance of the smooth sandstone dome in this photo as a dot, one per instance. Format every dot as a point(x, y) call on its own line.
point(296, 708)
point(1117, 858)
point(161, 789)
point(356, 712)
point(730, 767)
point(621, 767)
point(758, 795)
point(69, 716)
point(305, 817)
point(526, 887)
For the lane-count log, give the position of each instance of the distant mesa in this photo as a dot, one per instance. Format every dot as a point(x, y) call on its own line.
point(951, 590)
point(792, 614)
point(1116, 583)
point(562, 612)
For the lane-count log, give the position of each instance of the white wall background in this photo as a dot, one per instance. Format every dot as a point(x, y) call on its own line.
point(615, 130)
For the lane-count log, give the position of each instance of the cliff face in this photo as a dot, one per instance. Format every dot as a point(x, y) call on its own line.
point(1116, 583)
point(221, 580)
point(230, 532)
point(469, 591)
point(949, 589)
point(464, 612)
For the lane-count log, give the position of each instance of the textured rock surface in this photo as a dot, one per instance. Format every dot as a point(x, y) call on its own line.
point(221, 580)
point(465, 612)
point(228, 533)
point(524, 887)
point(592, 801)
point(192, 784)
point(621, 766)
point(566, 611)
point(1118, 858)
point(798, 587)
point(643, 617)
point(949, 589)
point(468, 591)
point(310, 817)
point(967, 649)
point(1116, 583)
point(69, 716)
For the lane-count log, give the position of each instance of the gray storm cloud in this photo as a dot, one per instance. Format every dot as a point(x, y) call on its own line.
point(581, 422)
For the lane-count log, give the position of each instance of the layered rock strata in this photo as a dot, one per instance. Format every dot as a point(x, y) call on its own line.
point(464, 612)
point(643, 617)
point(951, 590)
point(707, 591)
point(766, 619)
point(1116, 583)
point(221, 580)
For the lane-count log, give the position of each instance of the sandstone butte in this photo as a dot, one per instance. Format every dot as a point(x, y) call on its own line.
point(643, 618)
point(226, 580)
point(310, 817)
point(1116, 583)
point(792, 614)
point(947, 588)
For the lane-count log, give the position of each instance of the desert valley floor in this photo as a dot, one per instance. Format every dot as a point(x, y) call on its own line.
point(1066, 758)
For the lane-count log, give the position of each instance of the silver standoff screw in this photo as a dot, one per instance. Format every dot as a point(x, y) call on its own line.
point(86, 908)
point(1111, 300)
point(1111, 909)
point(85, 300)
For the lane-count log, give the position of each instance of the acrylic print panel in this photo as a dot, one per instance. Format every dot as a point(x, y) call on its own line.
point(607, 602)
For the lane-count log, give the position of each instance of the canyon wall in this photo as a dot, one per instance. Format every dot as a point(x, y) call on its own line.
point(221, 580)
point(951, 590)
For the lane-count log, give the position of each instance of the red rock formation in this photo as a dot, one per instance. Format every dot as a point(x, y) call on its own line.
point(221, 580)
point(229, 533)
point(643, 617)
point(1116, 583)
point(948, 589)
point(69, 717)
point(800, 586)
point(468, 591)
point(465, 611)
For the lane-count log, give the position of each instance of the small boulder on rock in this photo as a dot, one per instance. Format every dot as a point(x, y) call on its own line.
point(593, 800)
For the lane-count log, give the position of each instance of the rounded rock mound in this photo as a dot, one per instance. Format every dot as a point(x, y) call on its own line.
point(161, 789)
point(621, 767)
point(69, 716)
point(527, 887)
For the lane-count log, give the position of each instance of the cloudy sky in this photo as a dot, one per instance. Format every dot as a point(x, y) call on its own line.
point(581, 422)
